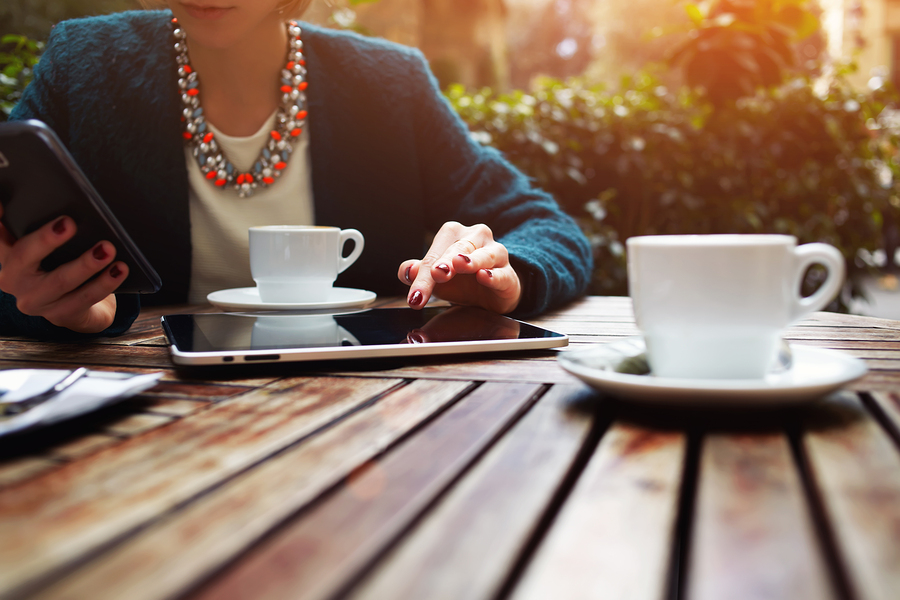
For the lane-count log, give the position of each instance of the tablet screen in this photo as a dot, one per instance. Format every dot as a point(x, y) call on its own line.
point(271, 337)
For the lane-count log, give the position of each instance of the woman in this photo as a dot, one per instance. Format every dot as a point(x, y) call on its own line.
point(195, 128)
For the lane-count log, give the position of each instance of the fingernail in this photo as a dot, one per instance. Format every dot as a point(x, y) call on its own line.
point(60, 226)
point(115, 272)
point(416, 298)
point(443, 268)
point(99, 252)
point(416, 337)
point(466, 258)
point(489, 273)
point(408, 269)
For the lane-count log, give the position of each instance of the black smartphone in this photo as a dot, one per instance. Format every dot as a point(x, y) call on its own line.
point(39, 181)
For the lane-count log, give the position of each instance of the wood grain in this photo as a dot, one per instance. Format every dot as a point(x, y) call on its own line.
point(48, 523)
point(467, 545)
point(856, 468)
point(197, 540)
point(614, 535)
point(316, 556)
point(753, 534)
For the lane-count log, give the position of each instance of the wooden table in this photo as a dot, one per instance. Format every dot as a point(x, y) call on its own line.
point(491, 476)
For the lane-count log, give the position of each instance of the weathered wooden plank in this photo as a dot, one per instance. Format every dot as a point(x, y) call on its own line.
point(877, 346)
point(877, 381)
point(82, 446)
point(185, 548)
point(856, 469)
point(466, 546)
point(529, 371)
point(169, 406)
point(22, 468)
point(753, 533)
point(889, 403)
point(85, 354)
point(50, 522)
point(134, 424)
point(314, 557)
point(614, 535)
point(865, 334)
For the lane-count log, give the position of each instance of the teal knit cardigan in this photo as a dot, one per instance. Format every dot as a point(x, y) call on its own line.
point(389, 157)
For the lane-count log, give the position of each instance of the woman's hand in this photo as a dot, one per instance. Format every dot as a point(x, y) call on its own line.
point(465, 266)
point(61, 296)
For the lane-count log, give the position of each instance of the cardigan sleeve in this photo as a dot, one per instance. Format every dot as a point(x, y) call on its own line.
point(45, 99)
point(471, 183)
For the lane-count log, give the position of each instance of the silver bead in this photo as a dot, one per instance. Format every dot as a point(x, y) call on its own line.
point(294, 30)
point(295, 94)
point(290, 125)
point(271, 144)
point(297, 80)
point(221, 174)
point(182, 72)
point(179, 47)
point(297, 44)
point(204, 147)
point(281, 144)
point(297, 69)
point(188, 113)
point(267, 172)
point(191, 127)
point(294, 110)
point(286, 75)
point(286, 100)
point(213, 146)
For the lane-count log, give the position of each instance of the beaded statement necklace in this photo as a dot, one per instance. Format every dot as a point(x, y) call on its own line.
point(289, 121)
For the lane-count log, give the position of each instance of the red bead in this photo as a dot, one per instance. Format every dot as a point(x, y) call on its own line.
point(301, 115)
point(240, 179)
point(174, 20)
point(280, 165)
point(187, 135)
point(188, 69)
point(211, 175)
point(268, 180)
point(208, 137)
point(303, 61)
point(286, 89)
point(289, 66)
point(248, 178)
point(296, 131)
point(302, 86)
point(276, 135)
point(193, 92)
point(220, 182)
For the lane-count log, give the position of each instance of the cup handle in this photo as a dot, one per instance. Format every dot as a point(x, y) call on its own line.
point(357, 237)
point(830, 258)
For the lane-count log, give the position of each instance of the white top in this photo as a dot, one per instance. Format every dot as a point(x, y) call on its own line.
point(220, 218)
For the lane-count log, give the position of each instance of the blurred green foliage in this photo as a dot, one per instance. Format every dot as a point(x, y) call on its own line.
point(816, 160)
point(18, 55)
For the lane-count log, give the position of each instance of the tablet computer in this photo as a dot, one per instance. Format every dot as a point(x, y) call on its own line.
point(235, 338)
point(39, 181)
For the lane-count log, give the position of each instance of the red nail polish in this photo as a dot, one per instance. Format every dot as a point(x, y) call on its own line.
point(99, 253)
point(416, 298)
point(59, 227)
point(408, 269)
point(115, 272)
point(489, 273)
point(466, 258)
point(443, 268)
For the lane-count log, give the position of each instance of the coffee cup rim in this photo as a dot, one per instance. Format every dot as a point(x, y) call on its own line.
point(713, 239)
point(283, 228)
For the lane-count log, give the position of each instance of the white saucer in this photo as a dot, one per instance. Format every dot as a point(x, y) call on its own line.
point(814, 372)
point(248, 299)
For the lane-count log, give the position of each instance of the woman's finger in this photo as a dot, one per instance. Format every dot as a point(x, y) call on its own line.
point(408, 271)
point(66, 278)
point(91, 307)
point(492, 255)
point(29, 251)
point(434, 268)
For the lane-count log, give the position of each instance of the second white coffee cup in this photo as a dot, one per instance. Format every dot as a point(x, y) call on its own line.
point(298, 263)
point(715, 306)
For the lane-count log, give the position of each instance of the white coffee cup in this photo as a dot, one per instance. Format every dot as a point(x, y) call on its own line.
point(298, 263)
point(715, 306)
